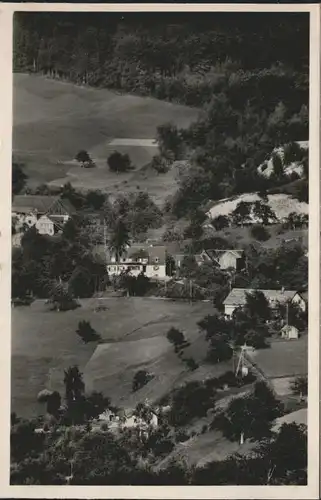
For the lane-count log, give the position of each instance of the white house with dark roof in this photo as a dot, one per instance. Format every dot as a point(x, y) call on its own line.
point(237, 298)
point(47, 213)
point(149, 260)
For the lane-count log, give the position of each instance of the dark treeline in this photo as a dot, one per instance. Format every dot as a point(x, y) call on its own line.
point(161, 53)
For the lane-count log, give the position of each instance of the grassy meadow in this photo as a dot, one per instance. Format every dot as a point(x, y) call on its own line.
point(53, 120)
point(133, 331)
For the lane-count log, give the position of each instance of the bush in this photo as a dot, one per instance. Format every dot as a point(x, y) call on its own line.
point(260, 233)
point(86, 332)
point(175, 336)
point(220, 222)
point(160, 164)
point(118, 162)
point(141, 378)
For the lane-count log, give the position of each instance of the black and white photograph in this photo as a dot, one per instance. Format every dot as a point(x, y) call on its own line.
point(160, 246)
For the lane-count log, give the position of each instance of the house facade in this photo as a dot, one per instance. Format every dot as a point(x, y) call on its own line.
point(149, 260)
point(237, 298)
point(47, 213)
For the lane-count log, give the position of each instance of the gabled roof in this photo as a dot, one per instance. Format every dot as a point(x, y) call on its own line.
point(217, 254)
point(287, 328)
point(41, 204)
point(237, 296)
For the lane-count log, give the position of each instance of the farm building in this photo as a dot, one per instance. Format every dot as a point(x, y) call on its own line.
point(226, 259)
point(150, 260)
point(47, 213)
point(289, 332)
point(237, 298)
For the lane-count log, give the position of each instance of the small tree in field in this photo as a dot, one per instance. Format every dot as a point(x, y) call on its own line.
point(175, 337)
point(118, 162)
point(86, 332)
point(84, 159)
point(141, 378)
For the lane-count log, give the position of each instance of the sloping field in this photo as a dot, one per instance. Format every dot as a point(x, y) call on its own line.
point(44, 343)
point(288, 358)
point(53, 120)
point(281, 204)
point(240, 236)
point(208, 447)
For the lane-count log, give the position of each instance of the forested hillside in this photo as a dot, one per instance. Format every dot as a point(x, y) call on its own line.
point(237, 67)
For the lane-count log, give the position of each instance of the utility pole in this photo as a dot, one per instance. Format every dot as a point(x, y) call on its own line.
point(287, 313)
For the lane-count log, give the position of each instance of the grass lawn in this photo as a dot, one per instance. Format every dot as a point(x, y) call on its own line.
point(53, 120)
point(44, 343)
point(288, 358)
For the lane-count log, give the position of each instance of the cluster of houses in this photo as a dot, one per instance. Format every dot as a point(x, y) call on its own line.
point(49, 214)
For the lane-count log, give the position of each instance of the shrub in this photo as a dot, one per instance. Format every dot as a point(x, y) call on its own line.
point(160, 164)
point(260, 233)
point(175, 337)
point(86, 332)
point(141, 378)
point(118, 162)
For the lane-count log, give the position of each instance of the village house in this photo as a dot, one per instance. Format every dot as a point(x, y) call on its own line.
point(149, 260)
point(226, 259)
point(237, 298)
point(47, 213)
point(289, 332)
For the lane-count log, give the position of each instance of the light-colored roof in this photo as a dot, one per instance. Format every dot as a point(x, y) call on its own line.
point(237, 296)
point(287, 328)
point(217, 254)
